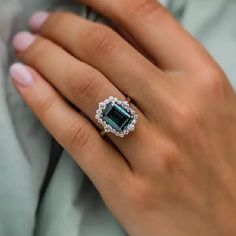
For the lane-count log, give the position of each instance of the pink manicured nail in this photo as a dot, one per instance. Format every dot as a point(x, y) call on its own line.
point(37, 19)
point(21, 75)
point(22, 41)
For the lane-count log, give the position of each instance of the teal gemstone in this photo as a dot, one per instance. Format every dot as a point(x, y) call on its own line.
point(117, 116)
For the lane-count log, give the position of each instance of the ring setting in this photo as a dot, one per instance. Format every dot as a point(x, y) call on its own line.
point(116, 116)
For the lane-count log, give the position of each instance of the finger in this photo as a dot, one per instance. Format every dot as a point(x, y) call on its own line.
point(81, 84)
point(98, 159)
point(153, 27)
point(105, 50)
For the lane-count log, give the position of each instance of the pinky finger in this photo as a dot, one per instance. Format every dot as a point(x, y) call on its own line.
point(103, 164)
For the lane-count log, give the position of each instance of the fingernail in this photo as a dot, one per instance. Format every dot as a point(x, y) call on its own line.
point(22, 41)
point(37, 19)
point(21, 75)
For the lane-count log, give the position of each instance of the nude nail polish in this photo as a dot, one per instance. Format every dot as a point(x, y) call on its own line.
point(21, 75)
point(22, 41)
point(37, 19)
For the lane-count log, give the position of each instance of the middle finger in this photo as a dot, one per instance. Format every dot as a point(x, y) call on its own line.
point(81, 84)
point(102, 48)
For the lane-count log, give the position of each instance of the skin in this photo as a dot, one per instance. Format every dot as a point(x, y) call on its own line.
point(176, 173)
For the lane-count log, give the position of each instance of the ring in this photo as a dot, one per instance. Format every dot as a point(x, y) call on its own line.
point(116, 116)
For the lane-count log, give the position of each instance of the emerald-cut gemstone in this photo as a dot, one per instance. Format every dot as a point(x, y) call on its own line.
point(117, 116)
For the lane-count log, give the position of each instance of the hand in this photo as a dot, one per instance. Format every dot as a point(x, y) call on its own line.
point(176, 173)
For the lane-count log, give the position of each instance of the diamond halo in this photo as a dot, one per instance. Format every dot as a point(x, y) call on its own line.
point(116, 116)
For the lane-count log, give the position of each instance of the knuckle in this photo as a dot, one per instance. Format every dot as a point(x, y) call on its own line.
point(101, 40)
point(172, 160)
point(141, 194)
point(214, 83)
point(143, 7)
point(170, 156)
point(78, 136)
point(187, 119)
point(46, 105)
point(86, 85)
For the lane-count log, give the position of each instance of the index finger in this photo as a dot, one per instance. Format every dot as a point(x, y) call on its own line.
point(156, 30)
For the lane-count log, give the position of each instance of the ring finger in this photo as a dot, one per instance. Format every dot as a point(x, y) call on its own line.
point(80, 83)
point(105, 50)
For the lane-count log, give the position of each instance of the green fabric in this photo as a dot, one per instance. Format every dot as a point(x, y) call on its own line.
point(34, 174)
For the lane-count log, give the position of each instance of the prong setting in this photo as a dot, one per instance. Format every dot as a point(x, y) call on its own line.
point(116, 116)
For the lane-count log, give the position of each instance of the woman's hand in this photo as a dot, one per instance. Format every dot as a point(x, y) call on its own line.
point(176, 173)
